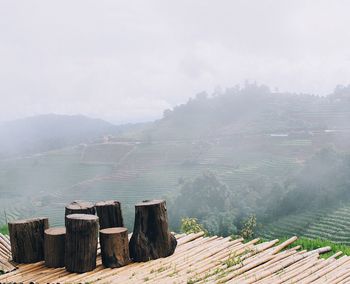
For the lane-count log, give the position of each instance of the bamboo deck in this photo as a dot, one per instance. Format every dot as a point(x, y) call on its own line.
point(5, 254)
point(199, 259)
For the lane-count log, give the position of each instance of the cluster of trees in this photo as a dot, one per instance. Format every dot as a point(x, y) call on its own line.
point(208, 200)
point(251, 108)
point(324, 181)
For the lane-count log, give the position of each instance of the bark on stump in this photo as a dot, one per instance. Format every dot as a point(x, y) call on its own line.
point(27, 239)
point(54, 248)
point(114, 247)
point(151, 238)
point(109, 214)
point(81, 242)
point(80, 207)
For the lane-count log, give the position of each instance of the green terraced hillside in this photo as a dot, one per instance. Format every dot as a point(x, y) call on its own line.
point(43, 184)
point(330, 223)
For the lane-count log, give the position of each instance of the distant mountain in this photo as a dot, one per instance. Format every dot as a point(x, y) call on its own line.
point(47, 132)
point(253, 109)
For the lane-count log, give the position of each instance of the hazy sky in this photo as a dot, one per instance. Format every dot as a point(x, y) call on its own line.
point(130, 60)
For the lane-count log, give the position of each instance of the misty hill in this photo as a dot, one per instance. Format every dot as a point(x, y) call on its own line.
point(239, 152)
point(47, 132)
point(253, 110)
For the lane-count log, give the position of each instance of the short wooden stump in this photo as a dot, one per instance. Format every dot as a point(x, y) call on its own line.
point(80, 207)
point(54, 249)
point(81, 242)
point(27, 239)
point(151, 238)
point(114, 247)
point(109, 214)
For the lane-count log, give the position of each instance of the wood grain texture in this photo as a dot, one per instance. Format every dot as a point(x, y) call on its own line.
point(80, 207)
point(54, 248)
point(27, 239)
point(151, 238)
point(114, 247)
point(109, 214)
point(81, 242)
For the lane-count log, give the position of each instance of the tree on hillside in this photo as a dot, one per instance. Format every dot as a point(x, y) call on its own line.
point(323, 181)
point(208, 200)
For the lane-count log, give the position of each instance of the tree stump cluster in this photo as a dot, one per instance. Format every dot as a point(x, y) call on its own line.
point(75, 245)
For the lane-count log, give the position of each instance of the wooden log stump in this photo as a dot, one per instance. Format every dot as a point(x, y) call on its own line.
point(109, 214)
point(80, 207)
point(27, 239)
point(54, 248)
point(81, 242)
point(114, 247)
point(151, 238)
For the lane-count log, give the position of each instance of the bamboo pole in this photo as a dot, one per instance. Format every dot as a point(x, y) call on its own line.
point(322, 263)
point(345, 276)
point(325, 270)
point(274, 268)
point(201, 257)
point(202, 252)
point(292, 271)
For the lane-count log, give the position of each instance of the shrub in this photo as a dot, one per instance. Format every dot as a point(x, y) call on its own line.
point(4, 230)
point(249, 226)
point(191, 225)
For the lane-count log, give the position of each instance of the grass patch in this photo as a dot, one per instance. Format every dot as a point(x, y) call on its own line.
point(4, 230)
point(311, 244)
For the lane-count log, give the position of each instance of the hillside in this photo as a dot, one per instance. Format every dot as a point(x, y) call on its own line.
point(232, 154)
point(253, 110)
point(47, 132)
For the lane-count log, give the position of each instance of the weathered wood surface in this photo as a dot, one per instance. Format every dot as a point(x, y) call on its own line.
point(54, 248)
point(5, 254)
point(151, 238)
point(80, 207)
point(199, 259)
point(27, 239)
point(81, 242)
point(114, 247)
point(109, 214)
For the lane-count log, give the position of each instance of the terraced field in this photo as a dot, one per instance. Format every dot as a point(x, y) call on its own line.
point(330, 223)
point(43, 184)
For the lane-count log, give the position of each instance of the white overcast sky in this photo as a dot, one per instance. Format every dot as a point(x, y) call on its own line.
point(127, 61)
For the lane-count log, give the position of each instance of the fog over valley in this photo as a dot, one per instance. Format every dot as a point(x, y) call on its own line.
point(237, 113)
point(127, 62)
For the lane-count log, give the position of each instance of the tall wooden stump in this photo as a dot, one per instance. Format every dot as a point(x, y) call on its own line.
point(81, 242)
point(109, 214)
point(27, 239)
point(54, 248)
point(80, 207)
point(151, 238)
point(114, 247)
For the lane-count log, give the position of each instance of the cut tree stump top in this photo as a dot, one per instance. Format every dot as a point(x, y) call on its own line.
point(115, 230)
point(86, 217)
point(25, 221)
point(108, 202)
point(149, 202)
point(56, 231)
point(79, 204)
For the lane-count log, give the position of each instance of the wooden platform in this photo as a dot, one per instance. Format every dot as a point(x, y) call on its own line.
point(199, 259)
